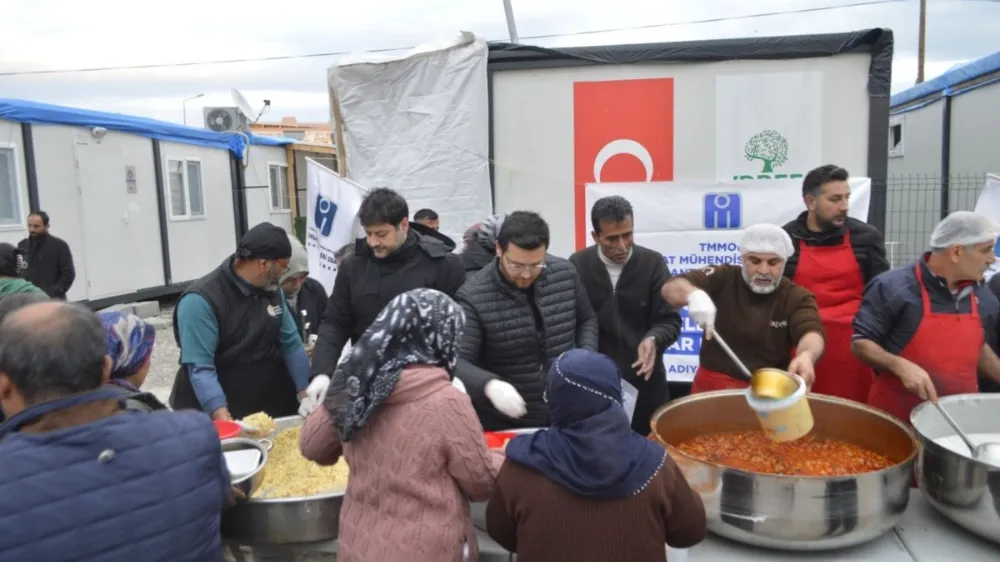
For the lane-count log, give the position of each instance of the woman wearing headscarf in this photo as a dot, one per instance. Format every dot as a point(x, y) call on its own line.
point(130, 341)
point(480, 246)
point(12, 265)
point(412, 440)
point(589, 488)
point(305, 296)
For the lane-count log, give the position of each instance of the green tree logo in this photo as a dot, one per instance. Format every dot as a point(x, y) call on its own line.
point(769, 147)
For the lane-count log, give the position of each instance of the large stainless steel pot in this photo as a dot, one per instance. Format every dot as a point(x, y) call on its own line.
point(284, 520)
point(962, 489)
point(793, 512)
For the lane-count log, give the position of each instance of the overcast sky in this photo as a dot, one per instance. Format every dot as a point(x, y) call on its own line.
point(68, 34)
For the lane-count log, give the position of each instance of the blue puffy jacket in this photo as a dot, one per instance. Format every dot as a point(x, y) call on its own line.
point(135, 486)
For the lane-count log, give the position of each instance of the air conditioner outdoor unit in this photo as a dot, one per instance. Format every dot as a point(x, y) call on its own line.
point(226, 120)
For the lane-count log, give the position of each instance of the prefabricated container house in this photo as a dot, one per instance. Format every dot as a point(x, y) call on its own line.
point(145, 206)
point(944, 137)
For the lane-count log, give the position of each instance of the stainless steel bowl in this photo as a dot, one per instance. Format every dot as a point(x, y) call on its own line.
point(804, 513)
point(284, 520)
point(964, 490)
point(249, 483)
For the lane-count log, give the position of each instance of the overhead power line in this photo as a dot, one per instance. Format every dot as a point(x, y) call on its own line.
point(384, 50)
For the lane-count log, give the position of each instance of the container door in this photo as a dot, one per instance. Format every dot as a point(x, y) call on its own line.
point(109, 244)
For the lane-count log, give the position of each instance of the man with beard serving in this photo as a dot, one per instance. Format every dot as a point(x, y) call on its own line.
point(764, 316)
point(835, 257)
point(241, 352)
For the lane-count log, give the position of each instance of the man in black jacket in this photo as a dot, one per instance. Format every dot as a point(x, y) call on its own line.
point(521, 313)
point(50, 262)
point(623, 282)
point(391, 260)
point(835, 257)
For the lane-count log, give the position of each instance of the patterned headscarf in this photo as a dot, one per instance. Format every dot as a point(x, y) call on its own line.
point(130, 342)
point(419, 327)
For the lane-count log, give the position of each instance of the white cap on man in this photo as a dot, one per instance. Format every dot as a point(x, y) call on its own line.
point(766, 239)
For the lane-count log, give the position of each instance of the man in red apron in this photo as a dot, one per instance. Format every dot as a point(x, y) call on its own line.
point(835, 257)
point(762, 315)
point(924, 328)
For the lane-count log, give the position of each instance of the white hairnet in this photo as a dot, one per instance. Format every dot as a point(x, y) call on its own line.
point(766, 239)
point(964, 228)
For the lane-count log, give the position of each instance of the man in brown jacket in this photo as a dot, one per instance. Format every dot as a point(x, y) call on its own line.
point(765, 317)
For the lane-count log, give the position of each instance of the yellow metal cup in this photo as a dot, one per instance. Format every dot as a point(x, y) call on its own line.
point(773, 383)
point(784, 419)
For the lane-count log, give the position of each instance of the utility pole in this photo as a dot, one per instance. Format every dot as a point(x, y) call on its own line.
point(511, 25)
point(922, 41)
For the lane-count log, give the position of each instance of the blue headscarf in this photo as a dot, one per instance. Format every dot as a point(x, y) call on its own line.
point(130, 341)
point(590, 449)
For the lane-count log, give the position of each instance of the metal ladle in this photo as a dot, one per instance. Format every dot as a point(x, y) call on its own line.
point(766, 383)
point(985, 452)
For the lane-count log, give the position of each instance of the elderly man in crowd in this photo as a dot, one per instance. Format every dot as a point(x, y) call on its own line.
point(764, 315)
point(926, 329)
point(82, 478)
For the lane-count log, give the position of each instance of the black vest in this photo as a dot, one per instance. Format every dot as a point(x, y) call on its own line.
point(249, 318)
point(248, 360)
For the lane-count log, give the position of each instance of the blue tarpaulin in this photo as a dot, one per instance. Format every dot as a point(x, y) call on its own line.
point(24, 111)
point(959, 74)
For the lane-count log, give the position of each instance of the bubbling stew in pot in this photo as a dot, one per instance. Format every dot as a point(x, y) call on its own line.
point(753, 451)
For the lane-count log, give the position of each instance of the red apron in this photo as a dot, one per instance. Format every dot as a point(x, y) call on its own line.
point(833, 275)
point(705, 381)
point(945, 345)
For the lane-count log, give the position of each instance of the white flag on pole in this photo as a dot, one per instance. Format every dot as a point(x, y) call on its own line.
point(331, 217)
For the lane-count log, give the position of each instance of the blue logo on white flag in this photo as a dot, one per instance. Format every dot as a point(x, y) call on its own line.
point(723, 211)
point(326, 211)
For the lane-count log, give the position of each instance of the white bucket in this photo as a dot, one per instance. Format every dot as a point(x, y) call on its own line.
point(786, 419)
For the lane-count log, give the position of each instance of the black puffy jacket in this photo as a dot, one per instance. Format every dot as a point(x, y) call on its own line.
point(501, 340)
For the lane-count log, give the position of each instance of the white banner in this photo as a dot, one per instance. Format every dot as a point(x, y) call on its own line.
point(698, 223)
point(768, 126)
point(331, 219)
point(989, 205)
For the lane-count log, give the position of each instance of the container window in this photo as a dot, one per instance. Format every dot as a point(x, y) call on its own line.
point(278, 181)
point(10, 200)
point(185, 188)
point(896, 136)
point(196, 196)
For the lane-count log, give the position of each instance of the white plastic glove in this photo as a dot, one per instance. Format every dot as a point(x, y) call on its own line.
point(316, 391)
point(505, 398)
point(702, 311)
point(306, 406)
point(457, 383)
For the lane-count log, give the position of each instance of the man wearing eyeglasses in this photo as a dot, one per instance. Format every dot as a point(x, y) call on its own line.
point(241, 351)
point(522, 312)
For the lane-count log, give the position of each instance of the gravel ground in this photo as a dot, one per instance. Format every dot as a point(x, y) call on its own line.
point(163, 365)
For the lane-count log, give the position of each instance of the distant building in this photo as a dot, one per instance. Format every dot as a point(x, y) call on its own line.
point(943, 139)
point(290, 128)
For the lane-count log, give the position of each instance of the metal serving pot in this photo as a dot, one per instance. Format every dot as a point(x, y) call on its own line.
point(284, 520)
point(806, 513)
point(964, 490)
point(249, 483)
